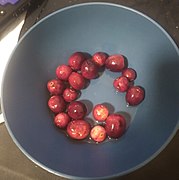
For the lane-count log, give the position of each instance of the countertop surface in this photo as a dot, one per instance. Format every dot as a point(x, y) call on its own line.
point(15, 165)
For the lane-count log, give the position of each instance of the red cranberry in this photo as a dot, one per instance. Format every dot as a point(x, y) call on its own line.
point(55, 86)
point(75, 60)
point(98, 133)
point(100, 112)
point(121, 84)
point(61, 120)
point(76, 110)
point(135, 95)
point(100, 58)
point(76, 80)
point(89, 69)
point(115, 63)
point(130, 74)
point(56, 104)
point(63, 72)
point(78, 129)
point(70, 94)
point(115, 125)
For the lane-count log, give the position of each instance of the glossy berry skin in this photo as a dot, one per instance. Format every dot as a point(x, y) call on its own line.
point(75, 60)
point(100, 58)
point(135, 95)
point(121, 84)
point(76, 80)
point(78, 129)
point(55, 86)
point(70, 94)
point(115, 63)
point(130, 74)
point(77, 110)
point(115, 125)
point(56, 104)
point(63, 72)
point(89, 69)
point(61, 120)
point(98, 133)
point(100, 112)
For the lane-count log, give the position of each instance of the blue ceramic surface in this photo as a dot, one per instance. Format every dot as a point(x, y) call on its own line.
point(89, 28)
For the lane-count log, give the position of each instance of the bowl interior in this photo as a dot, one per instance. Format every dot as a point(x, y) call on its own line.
point(89, 28)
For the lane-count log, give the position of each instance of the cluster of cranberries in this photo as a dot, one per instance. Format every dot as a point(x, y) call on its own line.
point(69, 114)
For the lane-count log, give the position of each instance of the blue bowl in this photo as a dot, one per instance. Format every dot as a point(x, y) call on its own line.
point(92, 27)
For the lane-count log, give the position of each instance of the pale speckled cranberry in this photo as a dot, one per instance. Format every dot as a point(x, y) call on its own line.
point(98, 133)
point(100, 112)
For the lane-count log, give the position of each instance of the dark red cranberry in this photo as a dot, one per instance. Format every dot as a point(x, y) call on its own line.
point(78, 129)
point(115, 125)
point(100, 58)
point(130, 74)
point(77, 110)
point(61, 120)
point(55, 86)
point(115, 63)
point(89, 69)
point(77, 81)
point(135, 95)
point(70, 94)
point(100, 112)
point(98, 133)
point(56, 104)
point(121, 84)
point(75, 60)
point(63, 72)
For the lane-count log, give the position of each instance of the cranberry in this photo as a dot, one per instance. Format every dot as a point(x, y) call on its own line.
point(100, 112)
point(121, 84)
point(98, 133)
point(70, 94)
point(76, 80)
point(56, 104)
point(135, 95)
point(115, 63)
point(55, 86)
point(89, 69)
point(75, 60)
point(100, 58)
point(78, 129)
point(61, 120)
point(63, 72)
point(76, 110)
point(115, 125)
point(130, 74)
